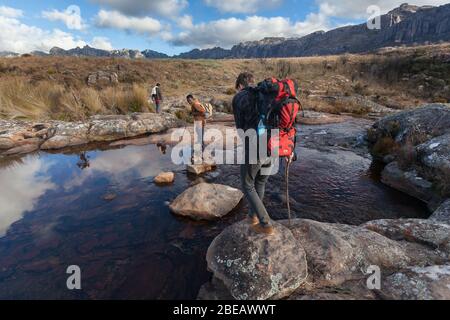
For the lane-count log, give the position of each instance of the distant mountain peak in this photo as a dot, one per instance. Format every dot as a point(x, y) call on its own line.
point(409, 8)
point(404, 25)
point(88, 51)
point(8, 54)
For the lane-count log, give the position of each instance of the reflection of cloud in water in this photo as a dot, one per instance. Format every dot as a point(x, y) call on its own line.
point(121, 166)
point(21, 186)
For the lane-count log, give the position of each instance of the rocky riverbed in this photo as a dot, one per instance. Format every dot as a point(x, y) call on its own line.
point(107, 205)
point(308, 259)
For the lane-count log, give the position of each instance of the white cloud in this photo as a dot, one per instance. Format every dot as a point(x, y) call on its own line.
point(185, 22)
point(71, 17)
point(358, 9)
point(165, 8)
point(228, 32)
point(21, 38)
point(10, 12)
point(242, 6)
point(117, 20)
point(101, 43)
point(17, 197)
point(120, 167)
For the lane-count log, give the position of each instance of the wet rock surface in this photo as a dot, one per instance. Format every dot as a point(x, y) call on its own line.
point(19, 137)
point(206, 201)
point(346, 133)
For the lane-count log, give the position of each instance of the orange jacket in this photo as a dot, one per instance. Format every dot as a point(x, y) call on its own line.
point(198, 110)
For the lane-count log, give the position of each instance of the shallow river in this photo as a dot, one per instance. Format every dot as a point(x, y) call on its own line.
point(100, 210)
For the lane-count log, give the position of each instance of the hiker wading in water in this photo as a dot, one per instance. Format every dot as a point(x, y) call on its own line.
point(200, 112)
point(252, 178)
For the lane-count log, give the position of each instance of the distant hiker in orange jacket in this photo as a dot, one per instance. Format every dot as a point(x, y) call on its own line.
point(198, 111)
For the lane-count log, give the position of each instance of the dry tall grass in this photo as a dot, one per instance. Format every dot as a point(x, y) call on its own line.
point(55, 87)
point(21, 99)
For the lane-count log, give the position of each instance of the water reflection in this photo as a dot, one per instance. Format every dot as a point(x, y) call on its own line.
point(120, 166)
point(21, 186)
point(83, 163)
point(162, 147)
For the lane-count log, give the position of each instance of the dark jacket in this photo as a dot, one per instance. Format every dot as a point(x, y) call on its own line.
point(245, 110)
point(246, 116)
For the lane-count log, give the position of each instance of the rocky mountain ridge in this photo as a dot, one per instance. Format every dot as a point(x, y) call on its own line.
point(405, 25)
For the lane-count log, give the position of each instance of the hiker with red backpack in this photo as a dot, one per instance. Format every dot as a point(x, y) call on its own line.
point(269, 110)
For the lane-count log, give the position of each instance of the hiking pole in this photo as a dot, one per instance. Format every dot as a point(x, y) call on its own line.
point(288, 163)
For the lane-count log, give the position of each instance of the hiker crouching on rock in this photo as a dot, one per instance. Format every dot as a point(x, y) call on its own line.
point(198, 111)
point(253, 181)
point(157, 97)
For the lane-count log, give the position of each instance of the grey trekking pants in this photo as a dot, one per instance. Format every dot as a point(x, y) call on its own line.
point(254, 186)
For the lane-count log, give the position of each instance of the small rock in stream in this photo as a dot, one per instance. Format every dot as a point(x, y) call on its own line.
point(206, 201)
point(165, 178)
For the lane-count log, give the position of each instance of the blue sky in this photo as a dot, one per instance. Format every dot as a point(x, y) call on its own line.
point(171, 26)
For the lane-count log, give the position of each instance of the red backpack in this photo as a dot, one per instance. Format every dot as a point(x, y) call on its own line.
point(278, 108)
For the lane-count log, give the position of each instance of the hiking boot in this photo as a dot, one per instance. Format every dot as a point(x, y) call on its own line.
point(252, 220)
point(267, 230)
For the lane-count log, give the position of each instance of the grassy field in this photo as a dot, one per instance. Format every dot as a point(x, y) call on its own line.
point(57, 88)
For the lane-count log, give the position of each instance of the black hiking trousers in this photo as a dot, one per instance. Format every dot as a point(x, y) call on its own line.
point(254, 186)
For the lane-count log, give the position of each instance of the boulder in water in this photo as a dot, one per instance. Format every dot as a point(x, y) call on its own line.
point(418, 143)
point(199, 169)
point(408, 182)
point(165, 178)
point(206, 201)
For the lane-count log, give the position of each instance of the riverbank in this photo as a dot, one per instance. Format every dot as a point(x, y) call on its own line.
point(21, 137)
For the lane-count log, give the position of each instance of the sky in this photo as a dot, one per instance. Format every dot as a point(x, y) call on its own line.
point(172, 26)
